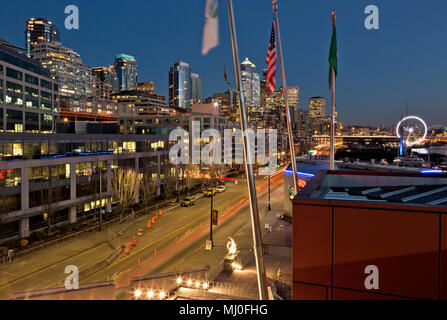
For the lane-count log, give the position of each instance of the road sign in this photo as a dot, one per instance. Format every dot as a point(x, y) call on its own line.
point(208, 245)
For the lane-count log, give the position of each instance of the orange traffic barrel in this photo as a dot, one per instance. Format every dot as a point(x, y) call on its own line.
point(148, 224)
point(153, 220)
point(126, 250)
point(132, 243)
point(161, 213)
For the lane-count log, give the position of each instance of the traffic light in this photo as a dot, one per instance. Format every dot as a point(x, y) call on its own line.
point(215, 217)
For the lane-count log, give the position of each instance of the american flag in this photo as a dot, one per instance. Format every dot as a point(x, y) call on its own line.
point(271, 62)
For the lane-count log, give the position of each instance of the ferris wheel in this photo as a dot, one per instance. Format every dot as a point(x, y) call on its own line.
point(412, 129)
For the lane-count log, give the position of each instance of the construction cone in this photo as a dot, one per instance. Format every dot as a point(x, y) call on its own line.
point(126, 250)
point(139, 261)
point(148, 224)
point(156, 216)
point(155, 252)
point(161, 213)
point(153, 220)
point(132, 243)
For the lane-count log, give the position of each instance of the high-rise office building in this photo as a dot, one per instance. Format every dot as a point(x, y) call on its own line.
point(65, 66)
point(196, 89)
point(251, 84)
point(104, 82)
point(29, 100)
point(147, 86)
point(317, 108)
point(37, 31)
point(180, 85)
point(293, 96)
point(126, 70)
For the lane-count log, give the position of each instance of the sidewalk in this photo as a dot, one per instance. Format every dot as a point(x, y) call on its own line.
point(246, 279)
point(33, 271)
point(278, 269)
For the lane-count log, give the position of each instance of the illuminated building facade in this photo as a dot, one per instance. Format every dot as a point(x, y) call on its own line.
point(104, 82)
point(147, 86)
point(317, 108)
point(29, 101)
point(196, 89)
point(180, 85)
point(126, 70)
point(251, 84)
point(66, 67)
point(88, 109)
point(57, 176)
point(37, 31)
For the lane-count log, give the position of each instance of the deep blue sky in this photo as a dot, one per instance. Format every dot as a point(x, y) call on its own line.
point(379, 70)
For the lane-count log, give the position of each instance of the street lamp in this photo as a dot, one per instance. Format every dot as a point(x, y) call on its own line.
point(269, 208)
point(178, 183)
point(211, 211)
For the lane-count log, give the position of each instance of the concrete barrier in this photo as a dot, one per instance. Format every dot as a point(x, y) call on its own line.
point(93, 291)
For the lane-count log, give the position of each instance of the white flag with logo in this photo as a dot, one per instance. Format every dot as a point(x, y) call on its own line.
point(211, 29)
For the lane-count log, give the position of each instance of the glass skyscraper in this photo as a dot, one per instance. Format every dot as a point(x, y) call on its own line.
point(180, 85)
point(104, 82)
point(37, 31)
point(66, 66)
point(196, 85)
point(126, 70)
point(317, 108)
point(251, 84)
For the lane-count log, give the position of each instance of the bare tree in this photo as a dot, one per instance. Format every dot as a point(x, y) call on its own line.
point(125, 187)
point(147, 189)
point(48, 206)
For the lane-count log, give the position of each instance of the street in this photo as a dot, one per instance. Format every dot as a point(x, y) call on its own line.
point(175, 242)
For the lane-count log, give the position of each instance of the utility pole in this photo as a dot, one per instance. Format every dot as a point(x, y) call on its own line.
point(178, 183)
point(269, 207)
point(211, 211)
point(286, 102)
point(255, 221)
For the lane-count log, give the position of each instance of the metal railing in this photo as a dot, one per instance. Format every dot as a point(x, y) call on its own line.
point(225, 288)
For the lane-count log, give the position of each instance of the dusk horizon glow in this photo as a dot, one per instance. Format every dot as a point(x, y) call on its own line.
point(380, 71)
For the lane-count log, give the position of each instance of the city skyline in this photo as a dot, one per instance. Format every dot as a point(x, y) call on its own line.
point(121, 178)
point(377, 74)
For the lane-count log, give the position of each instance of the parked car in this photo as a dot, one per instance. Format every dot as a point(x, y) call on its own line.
point(210, 191)
point(187, 202)
point(221, 188)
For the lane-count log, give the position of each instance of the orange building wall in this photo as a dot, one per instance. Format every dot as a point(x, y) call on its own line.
point(333, 242)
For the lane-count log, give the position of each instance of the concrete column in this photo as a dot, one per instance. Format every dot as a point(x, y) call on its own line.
point(109, 186)
point(72, 214)
point(72, 181)
point(24, 189)
point(158, 175)
point(4, 119)
point(137, 182)
point(24, 228)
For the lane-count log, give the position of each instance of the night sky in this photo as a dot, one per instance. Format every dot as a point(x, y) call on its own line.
point(379, 70)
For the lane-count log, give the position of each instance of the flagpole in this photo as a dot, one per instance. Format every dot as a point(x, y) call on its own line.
point(284, 86)
point(256, 224)
point(332, 160)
